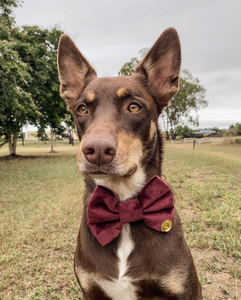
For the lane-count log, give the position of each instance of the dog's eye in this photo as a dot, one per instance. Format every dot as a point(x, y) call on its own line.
point(133, 107)
point(82, 110)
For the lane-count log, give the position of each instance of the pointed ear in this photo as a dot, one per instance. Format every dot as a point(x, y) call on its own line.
point(161, 67)
point(74, 71)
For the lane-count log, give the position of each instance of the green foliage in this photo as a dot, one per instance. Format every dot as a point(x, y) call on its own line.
point(129, 67)
point(235, 129)
point(238, 128)
point(21, 135)
point(38, 48)
point(181, 129)
point(16, 103)
point(6, 20)
point(232, 130)
point(29, 86)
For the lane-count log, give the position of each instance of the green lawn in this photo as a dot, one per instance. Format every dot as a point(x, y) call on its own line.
point(61, 147)
point(207, 185)
point(40, 210)
point(39, 219)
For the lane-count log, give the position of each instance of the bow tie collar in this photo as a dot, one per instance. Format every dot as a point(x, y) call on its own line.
point(154, 205)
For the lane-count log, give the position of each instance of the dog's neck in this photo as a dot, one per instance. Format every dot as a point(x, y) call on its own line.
point(125, 188)
point(128, 187)
point(153, 160)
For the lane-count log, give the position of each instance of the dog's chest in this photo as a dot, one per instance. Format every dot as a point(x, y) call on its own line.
point(122, 288)
point(149, 274)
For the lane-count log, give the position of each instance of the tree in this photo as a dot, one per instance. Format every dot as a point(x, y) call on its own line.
point(38, 48)
point(6, 19)
point(69, 121)
point(232, 130)
point(191, 97)
point(214, 129)
point(16, 104)
point(181, 129)
point(29, 92)
point(238, 128)
point(129, 67)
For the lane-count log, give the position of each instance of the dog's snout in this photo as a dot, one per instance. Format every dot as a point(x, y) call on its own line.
point(99, 150)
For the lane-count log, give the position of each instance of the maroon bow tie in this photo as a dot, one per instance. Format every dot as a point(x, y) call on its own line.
point(154, 205)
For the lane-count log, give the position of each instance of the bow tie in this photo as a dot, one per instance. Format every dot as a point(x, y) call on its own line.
point(154, 205)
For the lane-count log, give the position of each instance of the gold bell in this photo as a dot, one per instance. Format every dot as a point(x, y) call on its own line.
point(166, 225)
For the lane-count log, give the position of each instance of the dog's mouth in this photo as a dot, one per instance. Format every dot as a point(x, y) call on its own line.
point(130, 172)
point(98, 173)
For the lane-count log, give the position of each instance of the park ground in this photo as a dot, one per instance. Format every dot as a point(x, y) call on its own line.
point(40, 212)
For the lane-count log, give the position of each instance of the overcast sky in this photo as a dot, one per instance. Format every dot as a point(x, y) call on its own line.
point(110, 32)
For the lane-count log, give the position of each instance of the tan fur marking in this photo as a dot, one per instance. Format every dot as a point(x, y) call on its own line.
point(90, 97)
point(174, 281)
point(129, 154)
point(152, 130)
point(84, 277)
point(130, 150)
point(122, 93)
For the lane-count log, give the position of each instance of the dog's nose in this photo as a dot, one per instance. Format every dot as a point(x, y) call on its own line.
point(99, 150)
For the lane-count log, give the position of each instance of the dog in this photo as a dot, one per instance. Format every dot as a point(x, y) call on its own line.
point(124, 251)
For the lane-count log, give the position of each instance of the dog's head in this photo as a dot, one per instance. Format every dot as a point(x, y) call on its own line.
point(116, 118)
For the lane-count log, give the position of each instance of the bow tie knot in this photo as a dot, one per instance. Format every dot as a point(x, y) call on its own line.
point(130, 211)
point(154, 205)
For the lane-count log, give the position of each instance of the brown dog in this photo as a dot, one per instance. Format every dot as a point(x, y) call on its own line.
point(121, 148)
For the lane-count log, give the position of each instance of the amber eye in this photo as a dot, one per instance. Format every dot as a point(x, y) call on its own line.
point(82, 110)
point(133, 107)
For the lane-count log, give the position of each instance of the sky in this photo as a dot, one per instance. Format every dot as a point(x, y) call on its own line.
point(110, 32)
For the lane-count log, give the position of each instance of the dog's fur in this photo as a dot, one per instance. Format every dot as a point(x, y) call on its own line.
point(141, 263)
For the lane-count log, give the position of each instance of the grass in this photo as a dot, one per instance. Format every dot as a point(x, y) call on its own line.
point(39, 220)
point(40, 210)
point(43, 148)
point(207, 187)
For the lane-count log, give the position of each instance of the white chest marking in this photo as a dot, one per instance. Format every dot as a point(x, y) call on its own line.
point(125, 248)
point(121, 288)
point(125, 188)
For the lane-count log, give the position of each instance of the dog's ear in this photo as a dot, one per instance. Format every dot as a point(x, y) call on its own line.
point(74, 71)
point(161, 67)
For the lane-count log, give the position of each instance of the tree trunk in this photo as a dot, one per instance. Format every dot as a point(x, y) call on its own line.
point(70, 136)
point(52, 140)
point(12, 145)
point(173, 134)
point(165, 127)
